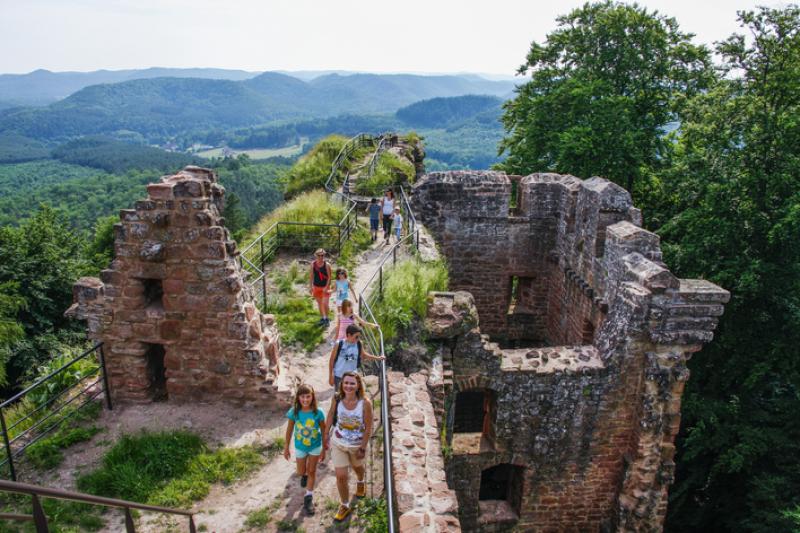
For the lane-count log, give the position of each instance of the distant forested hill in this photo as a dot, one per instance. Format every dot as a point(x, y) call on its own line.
point(116, 156)
point(162, 108)
point(446, 112)
point(154, 108)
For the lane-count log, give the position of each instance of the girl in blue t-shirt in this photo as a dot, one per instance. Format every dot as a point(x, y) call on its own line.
point(307, 423)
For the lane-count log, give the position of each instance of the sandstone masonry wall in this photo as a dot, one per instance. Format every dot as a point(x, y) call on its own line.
point(173, 305)
point(578, 434)
point(424, 501)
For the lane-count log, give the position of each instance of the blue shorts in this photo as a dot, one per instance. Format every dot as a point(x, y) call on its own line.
point(300, 454)
point(373, 224)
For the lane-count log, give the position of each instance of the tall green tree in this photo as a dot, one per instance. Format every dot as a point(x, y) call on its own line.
point(735, 200)
point(39, 261)
point(604, 88)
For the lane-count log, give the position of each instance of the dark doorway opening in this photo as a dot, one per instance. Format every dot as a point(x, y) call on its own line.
point(502, 482)
point(153, 291)
point(156, 373)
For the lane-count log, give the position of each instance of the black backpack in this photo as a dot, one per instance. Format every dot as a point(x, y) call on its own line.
point(339, 349)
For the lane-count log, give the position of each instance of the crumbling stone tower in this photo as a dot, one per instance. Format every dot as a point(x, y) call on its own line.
point(564, 351)
point(173, 312)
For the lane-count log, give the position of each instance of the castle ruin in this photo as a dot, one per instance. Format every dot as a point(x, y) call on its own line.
point(562, 356)
point(173, 312)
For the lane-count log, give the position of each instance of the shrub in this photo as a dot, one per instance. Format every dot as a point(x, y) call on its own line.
point(315, 207)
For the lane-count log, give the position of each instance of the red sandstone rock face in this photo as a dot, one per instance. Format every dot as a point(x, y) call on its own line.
point(172, 310)
point(579, 428)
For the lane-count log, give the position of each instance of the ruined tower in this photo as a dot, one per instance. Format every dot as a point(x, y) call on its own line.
point(564, 351)
point(174, 315)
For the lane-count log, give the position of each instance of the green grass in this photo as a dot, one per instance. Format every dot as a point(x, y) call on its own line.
point(290, 526)
point(169, 468)
point(405, 293)
point(47, 453)
point(372, 516)
point(63, 516)
point(259, 518)
point(294, 309)
point(314, 207)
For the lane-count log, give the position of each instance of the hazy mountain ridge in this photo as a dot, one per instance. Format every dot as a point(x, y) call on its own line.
point(42, 87)
point(160, 107)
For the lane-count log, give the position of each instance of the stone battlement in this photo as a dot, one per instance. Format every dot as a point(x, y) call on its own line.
point(173, 312)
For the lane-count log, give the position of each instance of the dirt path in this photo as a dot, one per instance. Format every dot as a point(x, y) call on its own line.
point(275, 485)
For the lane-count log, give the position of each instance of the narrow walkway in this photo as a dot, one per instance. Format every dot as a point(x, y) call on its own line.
point(275, 485)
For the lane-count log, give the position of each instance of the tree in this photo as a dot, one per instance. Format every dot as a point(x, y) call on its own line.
point(39, 261)
point(736, 220)
point(235, 217)
point(604, 87)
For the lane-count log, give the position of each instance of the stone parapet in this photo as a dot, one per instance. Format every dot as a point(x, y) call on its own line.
point(424, 501)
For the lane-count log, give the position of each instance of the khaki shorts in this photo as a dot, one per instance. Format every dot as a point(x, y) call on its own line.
point(344, 456)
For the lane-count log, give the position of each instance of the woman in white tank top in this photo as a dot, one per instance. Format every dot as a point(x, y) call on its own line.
point(387, 210)
point(350, 419)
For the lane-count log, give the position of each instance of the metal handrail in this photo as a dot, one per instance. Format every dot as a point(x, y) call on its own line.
point(29, 434)
point(40, 519)
point(365, 310)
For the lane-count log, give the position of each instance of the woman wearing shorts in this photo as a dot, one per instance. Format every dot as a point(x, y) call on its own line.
point(350, 420)
point(321, 281)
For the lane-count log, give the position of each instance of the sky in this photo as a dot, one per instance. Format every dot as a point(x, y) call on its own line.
point(428, 36)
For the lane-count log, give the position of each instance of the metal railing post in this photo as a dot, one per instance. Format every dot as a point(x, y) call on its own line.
point(8, 446)
point(104, 370)
point(129, 526)
point(380, 282)
point(263, 277)
point(39, 518)
point(394, 256)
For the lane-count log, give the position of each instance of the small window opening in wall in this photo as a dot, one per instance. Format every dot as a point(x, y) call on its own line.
point(513, 294)
point(153, 293)
point(156, 373)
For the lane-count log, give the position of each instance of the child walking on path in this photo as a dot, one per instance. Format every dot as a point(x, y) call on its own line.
point(350, 423)
point(307, 423)
point(347, 317)
point(374, 211)
point(398, 223)
point(346, 355)
point(343, 288)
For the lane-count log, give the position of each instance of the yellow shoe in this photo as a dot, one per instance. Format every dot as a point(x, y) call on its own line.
point(342, 513)
point(361, 489)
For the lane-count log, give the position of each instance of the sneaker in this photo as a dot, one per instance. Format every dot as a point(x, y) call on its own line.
point(361, 489)
point(303, 481)
point(321, 322)
point(342, 513)
point(308, 505)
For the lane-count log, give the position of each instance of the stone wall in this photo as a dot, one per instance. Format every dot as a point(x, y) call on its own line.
point(578, 429)
point(424, 501)
point(173, 312)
